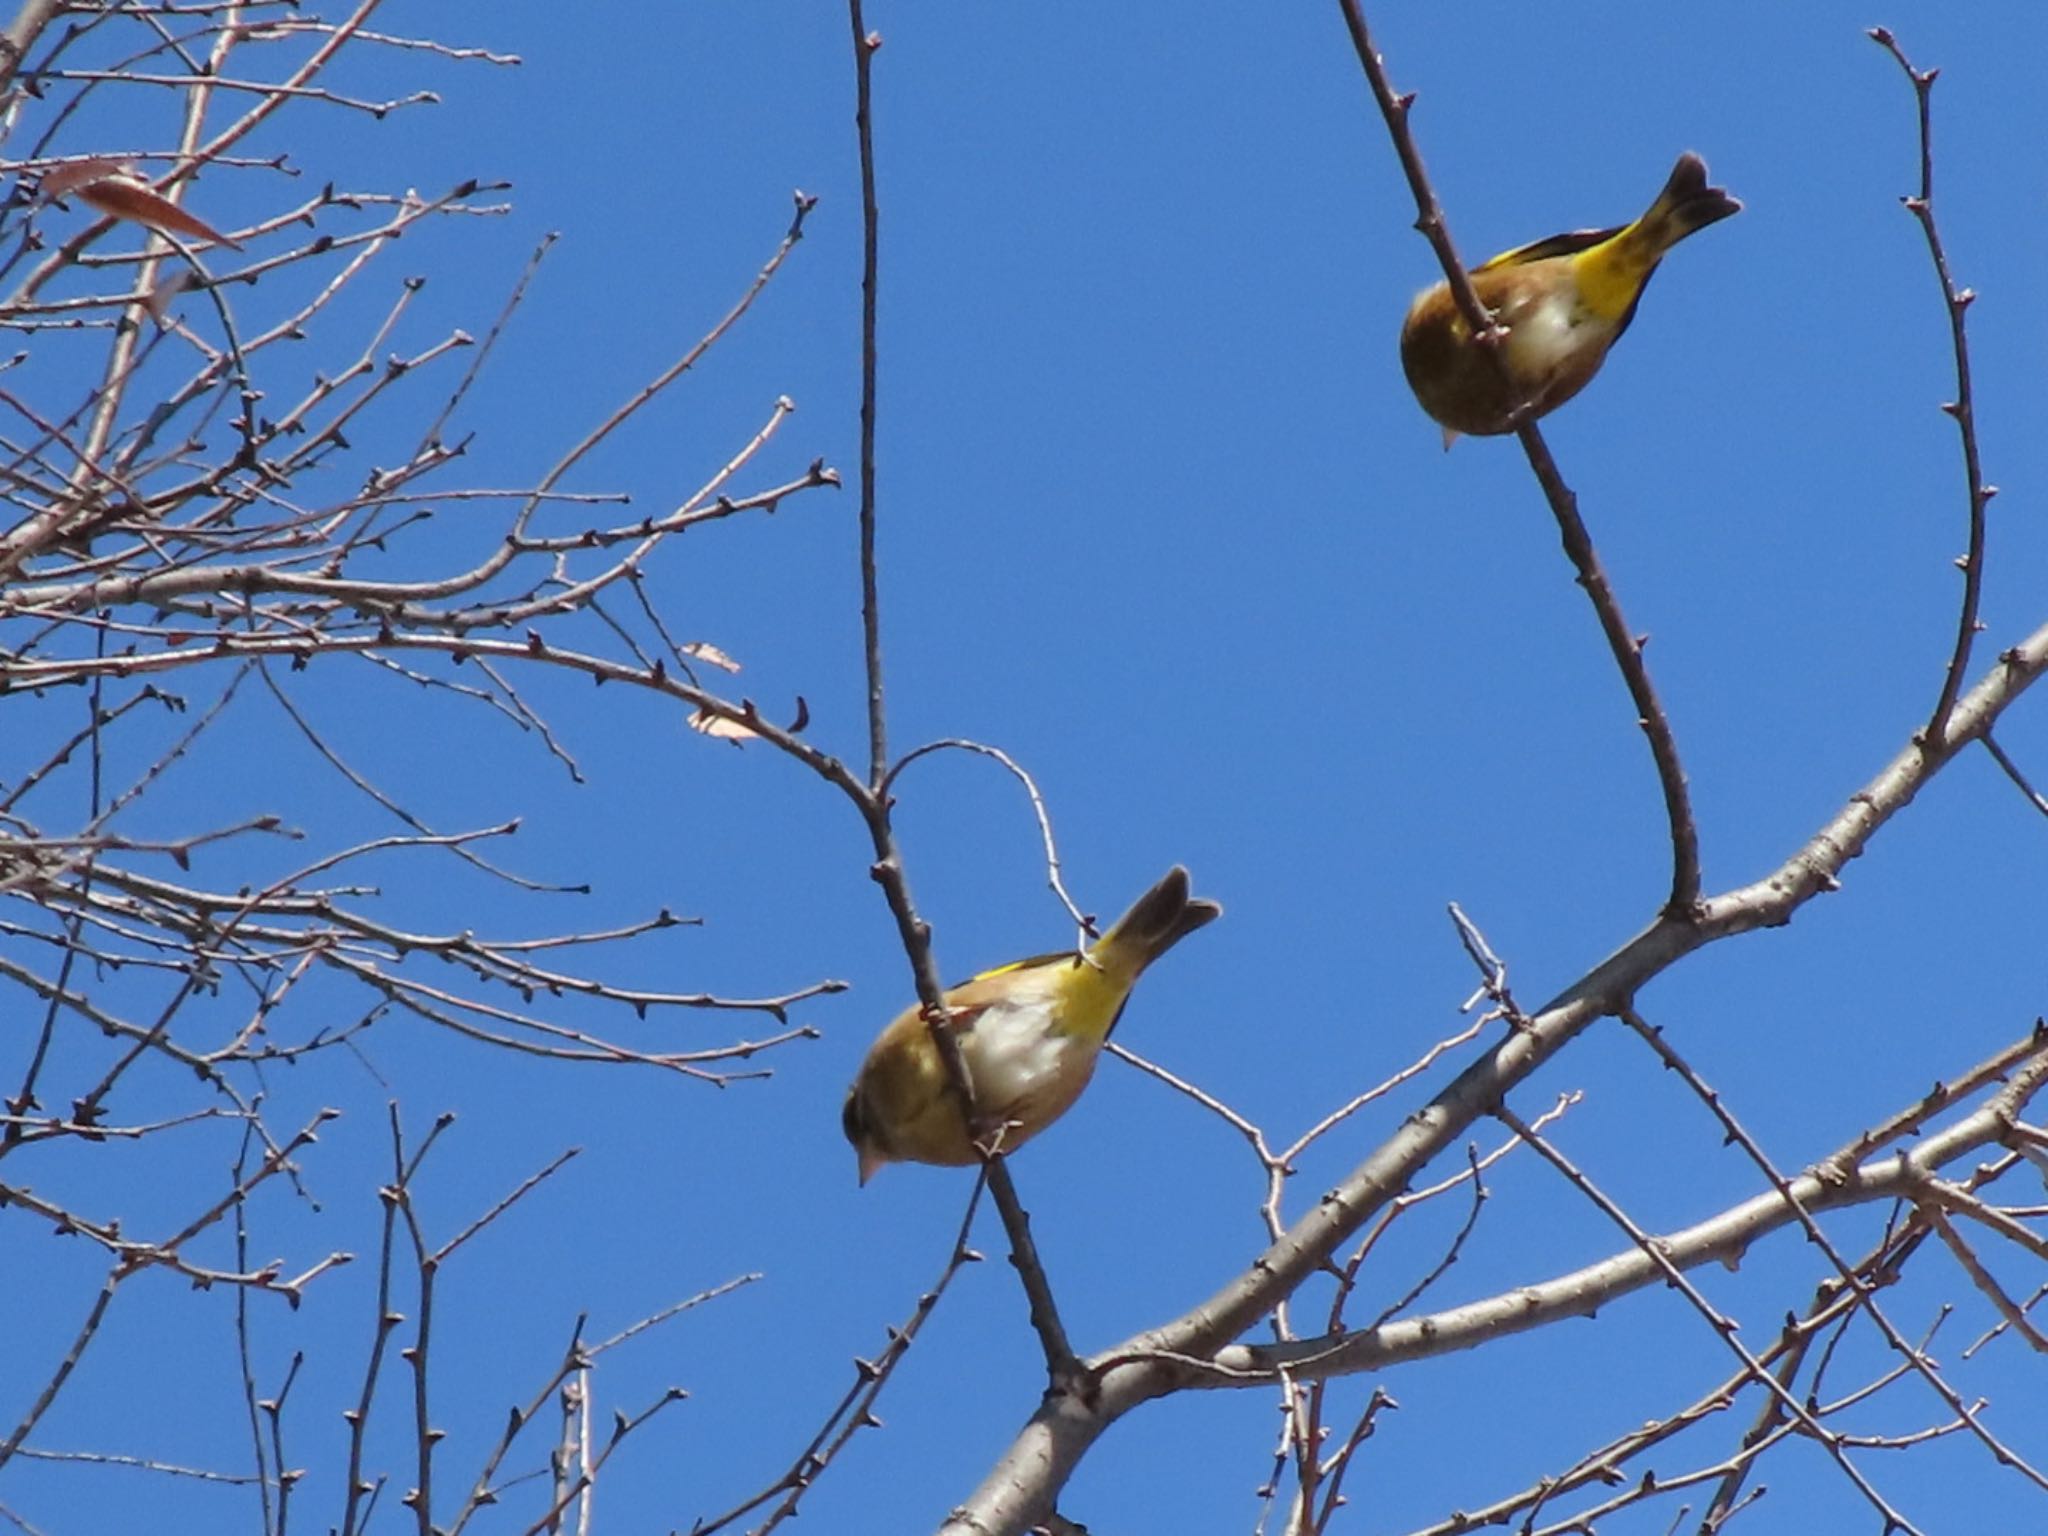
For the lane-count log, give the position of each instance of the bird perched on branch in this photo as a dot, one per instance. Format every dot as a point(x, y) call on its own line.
point(1028, 1032)
point(1564, 301)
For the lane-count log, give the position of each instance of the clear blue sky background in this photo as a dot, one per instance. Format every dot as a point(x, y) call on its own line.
point(1160, 518)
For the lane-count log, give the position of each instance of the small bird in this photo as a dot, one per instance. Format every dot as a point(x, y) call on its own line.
point(1029, 1033)
point(1563, 300)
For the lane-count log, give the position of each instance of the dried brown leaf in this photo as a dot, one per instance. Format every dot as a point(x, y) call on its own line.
point(62, 180)
point(722, 727)
point(122, 193)
point(710, 655)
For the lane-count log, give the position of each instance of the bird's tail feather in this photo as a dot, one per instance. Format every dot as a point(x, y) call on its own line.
point(1686, 204)
point(1157, 921)
point(1612, 273)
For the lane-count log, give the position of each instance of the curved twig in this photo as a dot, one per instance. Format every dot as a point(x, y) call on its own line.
point(1956, 301)
point(1053, 878)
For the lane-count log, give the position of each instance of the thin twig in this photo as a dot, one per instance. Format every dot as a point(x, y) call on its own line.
point(865, 43)
point(1083, 921)
point(855, 1409)
point(2035, 798)
point(1956, 301)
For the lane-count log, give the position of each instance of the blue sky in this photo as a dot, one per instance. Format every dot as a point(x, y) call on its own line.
point(1160, 519)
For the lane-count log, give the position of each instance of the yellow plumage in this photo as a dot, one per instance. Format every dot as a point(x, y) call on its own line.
point(1029, 1032)
point(1564, 302)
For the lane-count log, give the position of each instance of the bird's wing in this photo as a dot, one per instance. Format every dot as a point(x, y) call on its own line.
point(1570, 243)
point(991, 985)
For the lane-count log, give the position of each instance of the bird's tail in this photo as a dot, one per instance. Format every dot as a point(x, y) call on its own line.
point(1611, 272)
point(1157, 921)
point(1685, 205)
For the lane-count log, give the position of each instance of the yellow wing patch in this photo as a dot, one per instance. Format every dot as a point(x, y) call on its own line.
point(1570, 243)
point(1033, 963)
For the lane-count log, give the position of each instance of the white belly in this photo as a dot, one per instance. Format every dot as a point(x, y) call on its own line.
point(1016, 1056)
point(1542, 333)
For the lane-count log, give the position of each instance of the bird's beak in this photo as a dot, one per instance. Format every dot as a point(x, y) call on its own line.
point(870, 1160)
